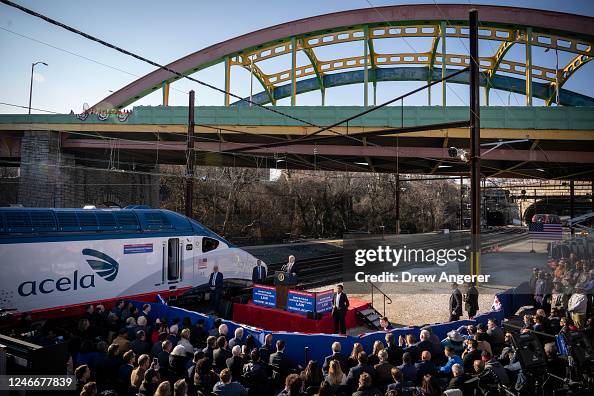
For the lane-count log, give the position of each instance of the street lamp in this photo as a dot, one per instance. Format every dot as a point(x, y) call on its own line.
point(31, 86)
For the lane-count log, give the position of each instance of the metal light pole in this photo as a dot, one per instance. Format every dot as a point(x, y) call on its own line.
point(31, 85)
point(475, 148)
point(190, 158)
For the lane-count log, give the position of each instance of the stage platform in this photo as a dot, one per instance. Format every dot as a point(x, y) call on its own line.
point(279, 320)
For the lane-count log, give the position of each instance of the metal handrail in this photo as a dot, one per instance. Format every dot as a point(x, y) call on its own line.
point(373, 286)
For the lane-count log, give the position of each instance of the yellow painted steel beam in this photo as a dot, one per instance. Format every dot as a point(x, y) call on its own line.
point(568, 70)
point(496, 60)
point(432, 53)
point(453, 133)
point(528, 43)
point(314, 64)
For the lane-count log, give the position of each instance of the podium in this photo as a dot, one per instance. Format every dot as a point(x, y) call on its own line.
point(283, 281)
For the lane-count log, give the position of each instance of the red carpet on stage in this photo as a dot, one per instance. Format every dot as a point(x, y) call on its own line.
point(279, 320)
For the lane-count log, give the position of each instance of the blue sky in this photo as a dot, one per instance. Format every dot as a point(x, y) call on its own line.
point(167, 31)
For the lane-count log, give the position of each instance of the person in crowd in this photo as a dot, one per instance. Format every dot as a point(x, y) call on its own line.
point(482, 343)
point(150, 382)
point(325, 390)
point(410, 345)
point(86, 354)
point(528, 323)
point(164, 389)
point(471, 297)
point(577, 306)
point(425, 366)
point(340, 305)
point(259, 273)
point(312, 375)
point(226, 387)
point(336, 355)
point(204, 378)
point(235, 363)
point(224, 331)
point(215, 329)
point(125, 371)
point(221, 354)
point(215, 282)
point(131, 327)
point(184, 341)
point(146, 311)
point(140, 345)
point(455, 341)
point(360, 368)
point(374, 359)
point(394, 350)
point(446, 370)
point(293, 386)
point(237, 339)
point(425, 343)
point(429, 386)
point(495, 367)
point(280, 360)
point(496, 334)
point(89, 389)
point(366, 387)
point(163, 359)
point(266, 349)
point(335, 377)
point(180, 388)
point(211, 342)
point(254, 374)
point(82, 375)
point(122, 341)
point(385, 324)
point(191, 365)
point(470, 354)
point(408, 369)
point(137, 375)
point(353, 359)
point(455, 305)
point(397, 380)
point(459, 379)
point(383, 370)
point(178, 359)
point(198, 334)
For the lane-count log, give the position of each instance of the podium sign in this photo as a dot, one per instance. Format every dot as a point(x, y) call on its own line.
point(264, 295)
point(324, 301)
point(301, 302)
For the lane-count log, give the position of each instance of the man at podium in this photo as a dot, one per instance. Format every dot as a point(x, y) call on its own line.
point(291, 268)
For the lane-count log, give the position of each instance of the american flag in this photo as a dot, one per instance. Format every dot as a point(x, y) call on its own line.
point(545, 231)
point(203, 263)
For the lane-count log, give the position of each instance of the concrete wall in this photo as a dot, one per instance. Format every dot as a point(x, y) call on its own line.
point(51, 178)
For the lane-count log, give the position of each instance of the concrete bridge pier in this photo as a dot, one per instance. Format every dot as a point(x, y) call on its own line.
point(50, 177)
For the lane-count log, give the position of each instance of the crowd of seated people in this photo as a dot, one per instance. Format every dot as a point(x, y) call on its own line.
point(124, 352)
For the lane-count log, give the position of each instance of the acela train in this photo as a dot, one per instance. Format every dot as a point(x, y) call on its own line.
point(55, 261)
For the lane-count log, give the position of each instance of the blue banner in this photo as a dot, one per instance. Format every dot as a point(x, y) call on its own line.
point(301, 302)
point(264, 295)
point(138, 248)
point(324, 301)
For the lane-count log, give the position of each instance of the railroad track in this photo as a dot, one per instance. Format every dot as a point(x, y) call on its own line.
point(327, 270)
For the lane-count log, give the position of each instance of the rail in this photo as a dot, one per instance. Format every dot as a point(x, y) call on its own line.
point(373, 286)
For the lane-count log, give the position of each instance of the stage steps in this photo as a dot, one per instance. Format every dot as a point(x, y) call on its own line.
point(369, 316)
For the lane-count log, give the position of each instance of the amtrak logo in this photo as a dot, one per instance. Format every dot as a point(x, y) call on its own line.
point(105, 267)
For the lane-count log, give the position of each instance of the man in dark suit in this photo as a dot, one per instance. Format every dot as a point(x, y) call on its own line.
point(266, 349)
point(394, 350)
point(336, 355)
point(340, 305)
point(471, 304)
point(235, 363)
point(362, 367)
point(282, 362)
point(455, 303)
point(259, 273)
point(215, 282)
point(425, 366)
point(221, 354)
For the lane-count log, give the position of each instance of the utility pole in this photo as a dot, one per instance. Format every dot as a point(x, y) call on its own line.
point(190, 158)
point(397, 203)
point(475, 148)
point(461, 202)
point(572, 204)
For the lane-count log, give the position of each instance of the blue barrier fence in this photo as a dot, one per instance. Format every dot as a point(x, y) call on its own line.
point(319, 345)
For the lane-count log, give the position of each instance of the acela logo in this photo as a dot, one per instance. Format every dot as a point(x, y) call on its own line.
point(105, 267)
